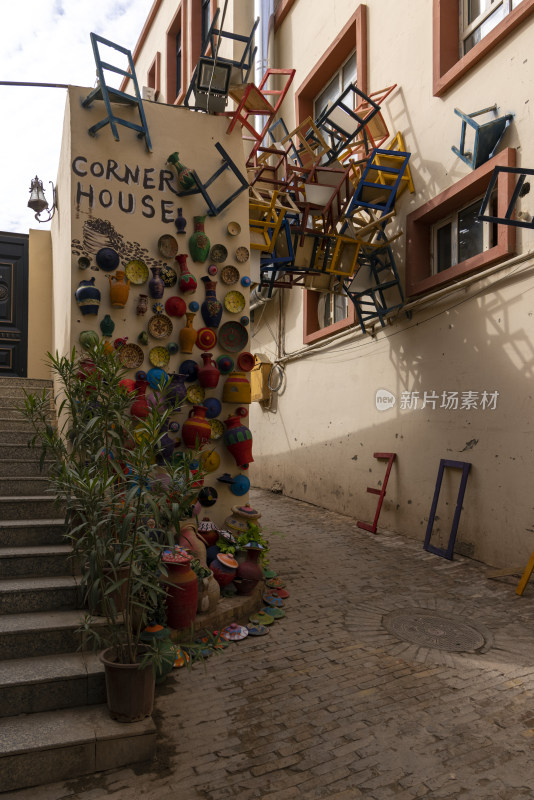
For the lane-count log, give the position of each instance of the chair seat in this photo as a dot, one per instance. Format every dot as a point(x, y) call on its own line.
point(254, 100)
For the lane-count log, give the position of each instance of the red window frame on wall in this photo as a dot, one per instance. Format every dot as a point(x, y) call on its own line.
point(419, 224)
point(448, 65)
point(352, 37)
point(153, 77)
point(178, 24)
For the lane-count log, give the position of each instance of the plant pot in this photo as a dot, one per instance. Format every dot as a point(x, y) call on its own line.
point(129, 690)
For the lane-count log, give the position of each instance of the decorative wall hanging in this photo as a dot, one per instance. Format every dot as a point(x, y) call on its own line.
point(119, 289)
point(88, 297)
point(136, 272)
point(199, 244)
point(211, 309)
point(167, 246)
point(188, 335)
point(107, 259)
point(156, 287)
point(187, 282)
point(142, 305)
point(159, 326)
point(184, 176)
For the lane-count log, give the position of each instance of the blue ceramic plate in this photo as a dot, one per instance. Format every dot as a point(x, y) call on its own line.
point(273, 600)
point(275, 613)
point(256, 630)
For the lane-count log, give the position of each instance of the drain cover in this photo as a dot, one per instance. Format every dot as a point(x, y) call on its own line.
point(429, 629)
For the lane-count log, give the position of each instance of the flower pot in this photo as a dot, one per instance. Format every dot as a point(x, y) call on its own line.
point(190, 540)
point(129, 690)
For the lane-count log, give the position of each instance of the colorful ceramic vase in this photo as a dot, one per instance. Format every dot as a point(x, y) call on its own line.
point(119, 289)
point(237, 522)
point(156, 287)
point(208, 531)
point(187, 282)
point(180, 222)
point(224, 568)
point(142, 305)
point(238, 439)
point(183, 174)
point(237, 389)
point(249, 571)
point(88, 297)
point(199, 244)
point(188, 335)
point(196, 430)
point(211, 309)
point(208, 374)
point(107, 326)
point(182, 591)
point(190, 540)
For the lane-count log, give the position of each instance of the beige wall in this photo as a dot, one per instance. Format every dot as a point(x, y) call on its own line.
point(39, 303)
point(317, 441)
point(125, 197)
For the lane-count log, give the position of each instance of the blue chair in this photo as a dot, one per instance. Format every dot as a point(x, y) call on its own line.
point(487, 136)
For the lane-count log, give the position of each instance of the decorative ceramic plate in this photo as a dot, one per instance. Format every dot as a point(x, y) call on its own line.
point(217, 429)
point(218, 253)
point(160, 326)
point(273, 600)
point(229, 275)
point(131, 356)
point(245, 361)
point(275, 583)
point(227, 536)
point(168, 276)
point(167, 246)
point(159, 356)
point(261, 618)
point(136, 271)
point(234, 302)
point(241, 255)
point(283, 593)
point(234, 632)
point(275, 613)
point(233, 337)
point(225, 364)
point(257, 630)
point(195, 395)
point(181, 658)
point(269, 573)
point(206, 339)
point(233, 228)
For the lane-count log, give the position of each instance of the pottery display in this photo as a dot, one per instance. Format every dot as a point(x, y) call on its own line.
point(211, 309)
point(233, 337)
point(238, 440)
point(187, 282)
point(196, 430)
point(142, 305)
point(167, 246)
point(224, 567)
point(208, 374)
point(136, 272)
point(237, 389)
point(175, 306)
point(182, 590)
point(107, 326)
point(176, 389)
point(180, 223)
point(107, 259)
point(156, 287)
point(190, 540)
point(119, 289)
point(206, 339)
point(184, 176)
point(209, 593)
point(237, 522)
point(159, 326)
point(88, 297)
point(188, 335)
point(249, 572)
point(89, 339)
point(189, 369)
point(139, 407)
point(245, 361)
point(199, 244)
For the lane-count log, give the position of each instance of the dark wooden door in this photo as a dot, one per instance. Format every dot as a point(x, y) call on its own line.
point(13, 304)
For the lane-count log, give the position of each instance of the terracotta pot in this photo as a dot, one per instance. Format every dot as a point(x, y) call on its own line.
point(182, 593)
point(237, 522)
point(208, 532)
point(249, 572)
point(238, 440)
point(188, 335)
point(129, 690)
point(196, 430)
point(237, 389)
point(208, 374)
point(119, 289)
point(183, 174)
point(190, 540)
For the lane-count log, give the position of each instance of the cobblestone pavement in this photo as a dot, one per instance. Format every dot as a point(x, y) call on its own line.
point(332, 703)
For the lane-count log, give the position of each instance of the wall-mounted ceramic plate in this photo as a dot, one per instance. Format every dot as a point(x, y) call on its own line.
point(136, 271)
point(241, 255)
point(159, 356)
point(168, 276)
point(218, 253)
point(167, 246)
point(229, 275)
point(234, 302)
point(233, 337)
point(160, 326)
point(131, 356)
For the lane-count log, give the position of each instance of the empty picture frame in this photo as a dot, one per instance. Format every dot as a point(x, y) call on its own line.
point(449, 550)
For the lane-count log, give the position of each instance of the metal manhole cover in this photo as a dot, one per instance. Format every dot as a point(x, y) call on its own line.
point(430, 629)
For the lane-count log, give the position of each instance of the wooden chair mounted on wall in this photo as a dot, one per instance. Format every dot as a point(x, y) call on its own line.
point(380, 492)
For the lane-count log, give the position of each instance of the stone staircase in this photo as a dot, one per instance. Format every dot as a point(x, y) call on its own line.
point(54, 723)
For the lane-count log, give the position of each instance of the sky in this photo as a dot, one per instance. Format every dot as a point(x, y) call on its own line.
point(47, 41)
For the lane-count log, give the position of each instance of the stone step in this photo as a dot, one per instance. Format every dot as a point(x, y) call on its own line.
point(33, 383)
point(41, 633)
point(12, 452)
point(14, 424)
point(57, 745)
point(23, 467)
point(9, 435)
point(26, 595)
point(33, 533)
point(46, 683)
point(29, 508)
point(24, 487)
point(37, 561)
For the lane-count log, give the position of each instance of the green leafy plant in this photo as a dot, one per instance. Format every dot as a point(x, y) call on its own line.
point(123, 501)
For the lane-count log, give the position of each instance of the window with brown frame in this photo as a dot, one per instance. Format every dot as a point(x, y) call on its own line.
point(466, 31)
point(153, 78)
point(444, 240)
point(176, 57)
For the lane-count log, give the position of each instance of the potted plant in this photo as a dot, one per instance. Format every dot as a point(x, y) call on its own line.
point(123, 504)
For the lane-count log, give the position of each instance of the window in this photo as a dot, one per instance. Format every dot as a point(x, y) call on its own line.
point(480, 25)
point(345, 59)
point(153, 78)
point(176, 57)
point(444, 239)
point(202, 12)
point(206, 21)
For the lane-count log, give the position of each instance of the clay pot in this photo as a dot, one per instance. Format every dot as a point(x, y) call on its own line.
point(208, 374)
point(238, 439)
point(249, 571)
point(182, 592)
point(140, 408)
point(180, 222)
point(176, 390)
point(224, 568)
point(208, 532)
point(196, 430)
point(183, 174)
point(237, 522)
point(119, 289)
point(237, 389)
point(190, 540)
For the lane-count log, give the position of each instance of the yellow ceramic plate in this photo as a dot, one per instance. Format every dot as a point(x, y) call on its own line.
point(159, 356)
point(217, 428)
point(131, 356)
point(160, 326)
point(234, 302)
point(196, 394)
point(136, 272)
